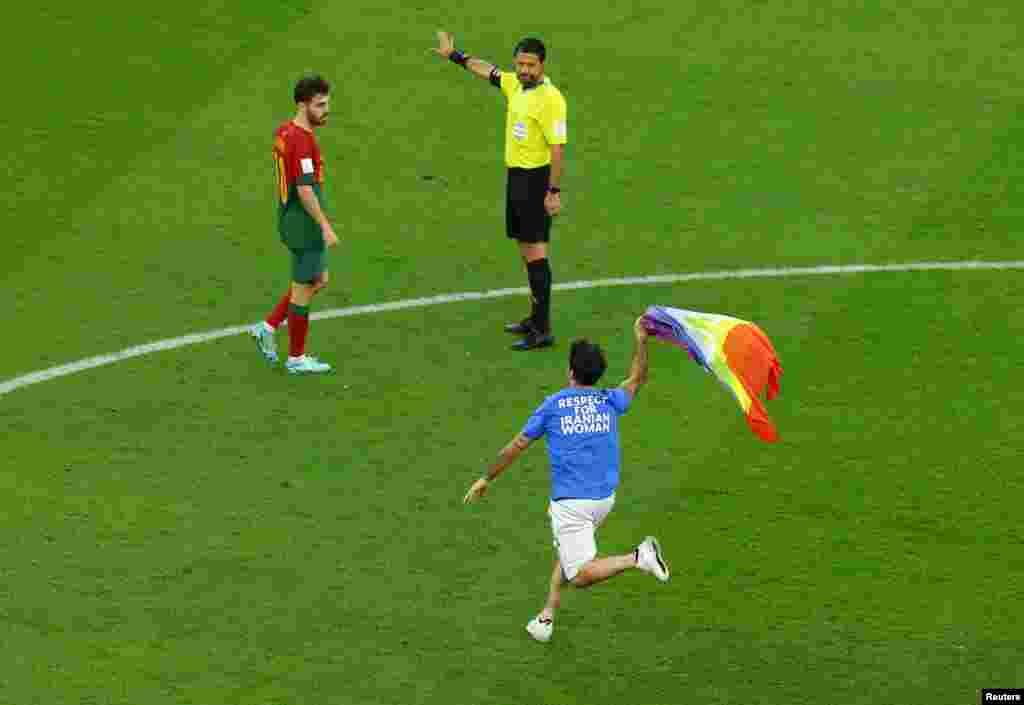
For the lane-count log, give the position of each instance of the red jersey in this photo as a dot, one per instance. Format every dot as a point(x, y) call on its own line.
point(297, 162)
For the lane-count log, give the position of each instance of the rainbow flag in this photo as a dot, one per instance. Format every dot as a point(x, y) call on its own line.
point(737, 352)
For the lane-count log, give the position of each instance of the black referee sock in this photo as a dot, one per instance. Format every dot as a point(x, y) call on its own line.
point(539, 273)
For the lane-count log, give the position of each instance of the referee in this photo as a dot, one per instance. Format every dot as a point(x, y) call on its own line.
point(535, 138)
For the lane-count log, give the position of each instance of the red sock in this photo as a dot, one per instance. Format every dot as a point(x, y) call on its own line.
point(280, 311)
point(298, 326)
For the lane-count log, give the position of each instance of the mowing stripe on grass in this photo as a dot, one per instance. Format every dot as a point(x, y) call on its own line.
point(171, 343)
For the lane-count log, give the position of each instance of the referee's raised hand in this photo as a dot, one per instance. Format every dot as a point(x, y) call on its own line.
point(446, 44)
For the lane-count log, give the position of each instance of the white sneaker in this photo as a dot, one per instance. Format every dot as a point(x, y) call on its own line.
point(307, 364)
point(650, 560)
point(540, 630)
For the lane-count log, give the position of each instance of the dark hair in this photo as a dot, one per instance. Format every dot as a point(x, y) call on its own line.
point(530, 45)
point(309, 86)
point(586, 360)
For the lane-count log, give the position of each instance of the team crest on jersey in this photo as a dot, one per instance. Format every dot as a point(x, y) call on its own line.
point(519, 130)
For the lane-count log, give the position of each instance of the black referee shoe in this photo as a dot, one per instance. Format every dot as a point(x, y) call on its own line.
point(523, 327)
point(535, 340)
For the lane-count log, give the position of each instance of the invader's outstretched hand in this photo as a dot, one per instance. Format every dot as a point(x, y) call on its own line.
point(478, 490)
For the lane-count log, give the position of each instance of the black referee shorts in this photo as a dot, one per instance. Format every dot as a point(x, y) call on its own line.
point(525, 217)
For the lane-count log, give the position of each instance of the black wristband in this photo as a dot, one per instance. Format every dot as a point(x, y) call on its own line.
point(554, 189)
point(457, 57)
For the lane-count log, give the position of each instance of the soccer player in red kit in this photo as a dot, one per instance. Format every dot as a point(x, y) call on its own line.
point(302, 225)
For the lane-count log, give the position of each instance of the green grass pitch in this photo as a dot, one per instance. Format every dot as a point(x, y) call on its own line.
point(193, 527)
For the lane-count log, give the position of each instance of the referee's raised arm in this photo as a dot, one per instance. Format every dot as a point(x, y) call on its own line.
point(478, 67)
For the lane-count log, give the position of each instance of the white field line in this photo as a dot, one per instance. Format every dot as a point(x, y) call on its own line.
point(89, 363)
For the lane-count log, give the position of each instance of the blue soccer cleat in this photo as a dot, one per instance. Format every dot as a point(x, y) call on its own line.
point(264, 342)
point(306, 365)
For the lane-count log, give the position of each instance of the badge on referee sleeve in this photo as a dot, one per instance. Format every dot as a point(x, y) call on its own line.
point(560, 129)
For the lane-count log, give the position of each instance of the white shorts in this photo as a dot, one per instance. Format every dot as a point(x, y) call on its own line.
point(574, 523)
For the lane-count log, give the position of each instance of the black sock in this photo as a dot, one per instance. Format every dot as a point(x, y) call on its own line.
point(533, 301)
point(539, 273)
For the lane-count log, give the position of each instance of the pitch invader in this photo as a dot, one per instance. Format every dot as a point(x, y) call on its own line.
point(535, 139)
point(581, 426)
point(302, 224)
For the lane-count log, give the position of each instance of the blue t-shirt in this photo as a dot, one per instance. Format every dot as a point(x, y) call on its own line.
point(582, 426)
